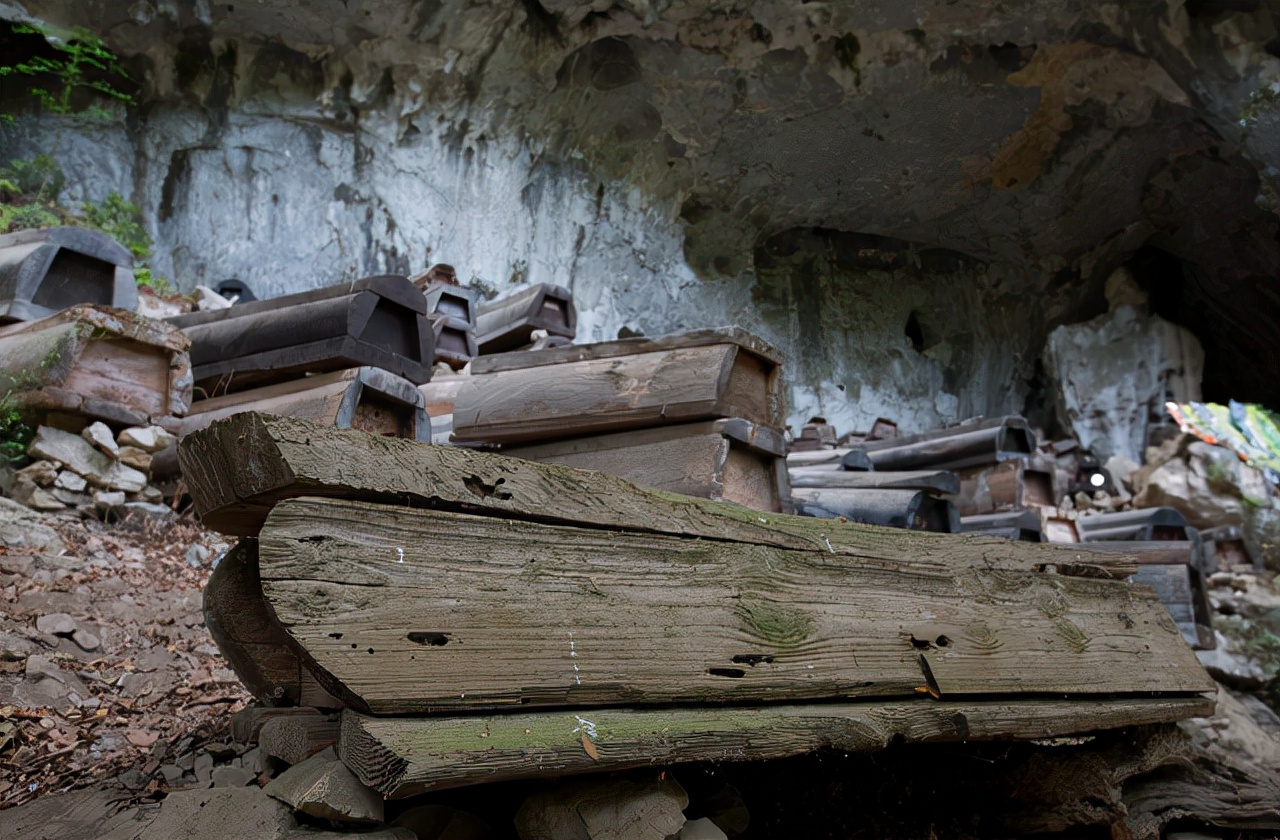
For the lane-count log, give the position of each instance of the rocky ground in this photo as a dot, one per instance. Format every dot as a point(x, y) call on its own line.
point(115, 711)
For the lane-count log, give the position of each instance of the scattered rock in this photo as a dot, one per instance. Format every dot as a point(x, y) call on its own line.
point(637, 808)
point(323, 787)
point(134, 457)
point(228, 776)
point(86, 640)
point(196, 555)
point(149, 509)
point(68, 497)
point(25, 491)
point(217, 813)
point(43, 473)
point(98, 434)
point(59, 624)
point(703, 829)
point(67, 480)
point(79, 456)
point(106, 500)
point(48, 686)
point(152, 494)
point(440, 822)
point(147, 438)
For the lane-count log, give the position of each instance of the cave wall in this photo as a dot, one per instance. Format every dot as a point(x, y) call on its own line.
point(905, 196)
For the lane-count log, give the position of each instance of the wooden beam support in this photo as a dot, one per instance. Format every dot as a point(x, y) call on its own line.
point(403, 757)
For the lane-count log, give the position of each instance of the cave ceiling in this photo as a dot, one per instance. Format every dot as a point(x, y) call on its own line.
point(1060, 139)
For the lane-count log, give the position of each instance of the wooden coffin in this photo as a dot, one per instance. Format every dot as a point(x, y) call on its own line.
point(44, 271)
point(440, 393)
point(508, 323)
point(1024, 525)
point(725, 460)
point(96, 362)
point(628, 384)
point(1173, 569)
point(974, 444)
point(377, 322)
point(936, 481)
point(1007, 486)
point(914, 510)
point(455, 341)
point(365, 398)
point(450, 300)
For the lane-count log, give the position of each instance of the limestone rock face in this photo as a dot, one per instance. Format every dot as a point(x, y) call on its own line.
point(1113, 375)
point(905, 196)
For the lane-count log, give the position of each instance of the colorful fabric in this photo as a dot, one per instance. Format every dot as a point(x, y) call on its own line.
point(1249, 430)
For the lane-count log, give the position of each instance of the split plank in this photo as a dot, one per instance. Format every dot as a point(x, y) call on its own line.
point(594, 396)
point(403, 757)
point(516, 613)
point(238, 468)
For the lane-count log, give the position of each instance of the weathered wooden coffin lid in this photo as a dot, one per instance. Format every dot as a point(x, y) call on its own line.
point(938, 481)
point(138, 372)
point(452, 301)
point(754, 436)
point(915, 510)
point(1014, 524)
point(44, 271)
point(1137, 524)
point(630, 346)
point(544, 395)
point(356, 386)
point(379, 321)
point(967, 445)
point(508, 322)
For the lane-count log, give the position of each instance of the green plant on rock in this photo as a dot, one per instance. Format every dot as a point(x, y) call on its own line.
point(82, 65)
point(122, 221)
point(15, 432)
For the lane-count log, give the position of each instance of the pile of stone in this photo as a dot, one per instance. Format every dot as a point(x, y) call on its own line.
point(97, 471)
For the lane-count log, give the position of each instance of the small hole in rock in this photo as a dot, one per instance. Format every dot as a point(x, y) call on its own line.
point(370, 650)
point(942, 641)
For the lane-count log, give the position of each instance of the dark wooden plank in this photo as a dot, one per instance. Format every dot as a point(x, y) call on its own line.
point(736, 336)
point(393, 287)
point(450, 300)
point(403, 757)
point(509, 322)
point(529, 614)
point(937, 481)
point(724, 460)
point(595, 396)
point(1009, 485)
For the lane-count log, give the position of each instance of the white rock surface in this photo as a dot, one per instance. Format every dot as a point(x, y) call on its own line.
point(79, 456)
point(100, 435)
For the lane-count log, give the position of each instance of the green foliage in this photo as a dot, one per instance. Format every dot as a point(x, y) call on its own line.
point(83, 65)
point(29, 199)
point(15, 433)
point(121, 220)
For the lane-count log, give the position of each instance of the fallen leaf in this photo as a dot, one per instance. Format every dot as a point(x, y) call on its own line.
point(590, 748)
point(142, 737)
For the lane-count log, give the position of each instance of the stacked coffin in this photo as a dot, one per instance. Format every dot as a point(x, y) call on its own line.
point(578, 623)
point(452, 311)
point(350, 355)
point(541, 315)
point(1173, 559)
point(949, 480)
point(698, 413)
